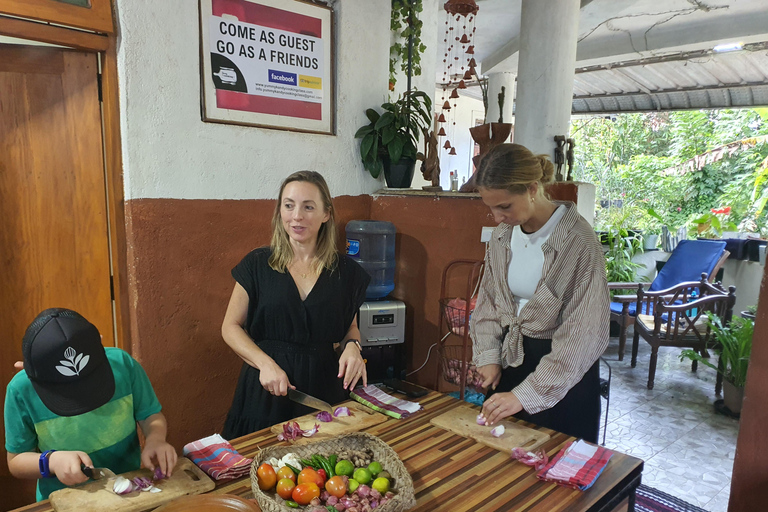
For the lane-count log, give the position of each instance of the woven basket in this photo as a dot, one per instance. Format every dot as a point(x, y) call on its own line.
point(402, 487)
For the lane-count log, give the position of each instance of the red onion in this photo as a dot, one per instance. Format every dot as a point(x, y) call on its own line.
point(497, 431)
point(376, 495)
point(324, 416)
point(363, 490)
point(158, 474)
point(342, 411)
point(480, 419)
point(332, 500)
point(292, 431)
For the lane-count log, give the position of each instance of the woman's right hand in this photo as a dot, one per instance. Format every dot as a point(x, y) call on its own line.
point(274, 379)
point(491, 374)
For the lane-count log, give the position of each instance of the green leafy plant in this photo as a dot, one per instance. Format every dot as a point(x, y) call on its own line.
point(405, 23)
point(394, 134)
point(734, 346)
point(711, 226)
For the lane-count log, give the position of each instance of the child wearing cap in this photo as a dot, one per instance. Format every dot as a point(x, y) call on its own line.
point(76, 404)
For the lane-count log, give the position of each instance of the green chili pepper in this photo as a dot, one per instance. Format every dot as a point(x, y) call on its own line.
point(292, 504)
point(295, 470)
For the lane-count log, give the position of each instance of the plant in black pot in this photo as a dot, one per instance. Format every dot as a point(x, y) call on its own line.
point(390, 140)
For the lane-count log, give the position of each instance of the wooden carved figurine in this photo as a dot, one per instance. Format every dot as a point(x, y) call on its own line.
point(430, 162)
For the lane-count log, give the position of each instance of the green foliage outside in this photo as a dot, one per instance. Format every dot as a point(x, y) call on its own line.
point(632, 160)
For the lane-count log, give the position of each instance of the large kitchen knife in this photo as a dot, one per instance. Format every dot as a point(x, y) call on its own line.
point(309, 400)
point(96, 473)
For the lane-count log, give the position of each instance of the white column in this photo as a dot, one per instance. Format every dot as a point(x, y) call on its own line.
point(548, 37)
point(495, 82)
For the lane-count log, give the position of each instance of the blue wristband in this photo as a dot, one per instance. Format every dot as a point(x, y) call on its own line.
point(45, 470)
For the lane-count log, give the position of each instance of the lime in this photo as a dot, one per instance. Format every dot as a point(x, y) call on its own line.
point(375, 468)
point(352, 485)
point(384, 474)
point(381, 485)
point(363, 476)
point(344, 468)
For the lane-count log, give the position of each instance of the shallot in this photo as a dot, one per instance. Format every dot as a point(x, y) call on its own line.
point(342, 411)
point(497, 431)
point(324, 416)
point(480, 419)
point(159, 475)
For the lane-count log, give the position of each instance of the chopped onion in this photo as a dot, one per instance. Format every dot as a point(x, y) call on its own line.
point(292, 431)
point(324, 416)
point(342, 411)
point(497, 431)
point(122, 486)
point(480, 419)
point(142, 483)
point(158, 474)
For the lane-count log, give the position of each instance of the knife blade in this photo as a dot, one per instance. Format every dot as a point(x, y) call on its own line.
point(96, 473)
point(308, 400)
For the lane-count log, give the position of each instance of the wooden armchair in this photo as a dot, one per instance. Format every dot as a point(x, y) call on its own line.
point(689, 259)
point(677, 317)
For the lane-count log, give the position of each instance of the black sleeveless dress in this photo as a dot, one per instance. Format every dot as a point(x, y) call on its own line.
point(298, 335)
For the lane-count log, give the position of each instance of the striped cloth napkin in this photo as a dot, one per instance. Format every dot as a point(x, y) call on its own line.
point(380, 401)
point(577, 465)
point(215, 456)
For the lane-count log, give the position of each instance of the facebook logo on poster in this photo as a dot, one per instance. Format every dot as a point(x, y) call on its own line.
point(282, 77)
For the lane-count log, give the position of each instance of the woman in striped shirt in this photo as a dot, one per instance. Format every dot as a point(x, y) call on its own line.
point(542, 315)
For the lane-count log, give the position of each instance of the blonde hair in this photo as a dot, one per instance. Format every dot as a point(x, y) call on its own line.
point(514, 168)
point(325, 248)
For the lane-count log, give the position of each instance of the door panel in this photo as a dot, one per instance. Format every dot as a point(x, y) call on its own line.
point(96, 17)
point(53, 215)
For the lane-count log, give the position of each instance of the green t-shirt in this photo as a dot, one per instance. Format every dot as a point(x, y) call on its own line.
point(107, 434)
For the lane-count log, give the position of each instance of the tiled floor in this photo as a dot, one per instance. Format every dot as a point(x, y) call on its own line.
point(688, 449)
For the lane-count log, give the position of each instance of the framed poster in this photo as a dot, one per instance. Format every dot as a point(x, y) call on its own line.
point(268, 63)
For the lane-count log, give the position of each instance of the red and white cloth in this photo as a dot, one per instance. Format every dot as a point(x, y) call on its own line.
point(577, 465)
point(215, 456)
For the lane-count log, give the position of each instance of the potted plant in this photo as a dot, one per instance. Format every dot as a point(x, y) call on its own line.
point(389, 141)
point(734, 346)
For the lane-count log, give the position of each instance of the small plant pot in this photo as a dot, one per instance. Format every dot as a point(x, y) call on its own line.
point(650, 242)
point(732, 397)
point(399, 174)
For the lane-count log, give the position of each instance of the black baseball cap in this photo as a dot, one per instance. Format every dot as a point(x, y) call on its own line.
point(66, 362)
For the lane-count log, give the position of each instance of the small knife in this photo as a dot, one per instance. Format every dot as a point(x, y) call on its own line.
point(309, 401)
point(96, 473)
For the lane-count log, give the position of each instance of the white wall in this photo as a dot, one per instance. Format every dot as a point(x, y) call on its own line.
point(168, 152)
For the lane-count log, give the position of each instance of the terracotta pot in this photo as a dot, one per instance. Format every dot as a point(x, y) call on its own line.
point(487, 136)
point(732, 397)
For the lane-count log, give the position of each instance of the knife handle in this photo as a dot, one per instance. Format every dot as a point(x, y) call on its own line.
point(86, 470)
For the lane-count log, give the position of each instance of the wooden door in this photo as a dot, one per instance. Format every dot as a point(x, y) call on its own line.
point(54, 249)
point(93, 15)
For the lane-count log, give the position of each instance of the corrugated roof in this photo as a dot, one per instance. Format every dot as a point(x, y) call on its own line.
point(697, 80)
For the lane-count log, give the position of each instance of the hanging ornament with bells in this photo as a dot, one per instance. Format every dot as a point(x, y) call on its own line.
point(458, 62)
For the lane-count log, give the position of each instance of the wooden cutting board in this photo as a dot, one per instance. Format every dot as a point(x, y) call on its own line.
point(361, 418)
point(462, 420)
point(97, 495)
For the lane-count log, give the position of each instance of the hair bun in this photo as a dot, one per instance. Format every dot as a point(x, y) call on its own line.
point(547, 169)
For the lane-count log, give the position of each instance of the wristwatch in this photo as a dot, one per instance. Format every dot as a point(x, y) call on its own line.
point(356, 342)
point(45, 470)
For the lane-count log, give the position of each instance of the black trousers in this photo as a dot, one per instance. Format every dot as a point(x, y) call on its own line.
point(577, 414)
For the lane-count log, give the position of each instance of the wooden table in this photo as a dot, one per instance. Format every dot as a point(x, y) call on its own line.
point(453, 473)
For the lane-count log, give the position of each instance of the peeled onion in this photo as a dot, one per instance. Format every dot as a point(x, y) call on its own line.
point(342, 411)
point(497, 431)
point(324, 416)
point(122, 486)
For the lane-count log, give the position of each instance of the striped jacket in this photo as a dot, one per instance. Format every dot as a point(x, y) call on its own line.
point(570, 306)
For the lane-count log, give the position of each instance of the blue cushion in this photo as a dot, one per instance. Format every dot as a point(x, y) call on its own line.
point(687, 262)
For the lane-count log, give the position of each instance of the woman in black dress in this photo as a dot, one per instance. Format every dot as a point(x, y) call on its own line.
point(292, 302)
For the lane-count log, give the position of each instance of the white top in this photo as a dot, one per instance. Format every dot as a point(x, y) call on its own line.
point(527, 261)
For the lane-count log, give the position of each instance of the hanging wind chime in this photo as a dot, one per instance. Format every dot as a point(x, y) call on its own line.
point(458, 63)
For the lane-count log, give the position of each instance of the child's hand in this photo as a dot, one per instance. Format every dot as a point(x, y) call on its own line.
point(159, 453)
point(66, 466)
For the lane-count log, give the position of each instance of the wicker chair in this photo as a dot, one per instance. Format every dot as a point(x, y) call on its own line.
point(678, 318)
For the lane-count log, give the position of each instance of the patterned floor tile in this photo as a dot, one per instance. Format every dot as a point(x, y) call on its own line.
point(688, 449)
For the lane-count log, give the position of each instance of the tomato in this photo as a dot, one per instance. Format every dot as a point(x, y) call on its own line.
point(322, 474)
point(310, 475)
point(306, 492)
point(285, 488)
point(336, 486)
point(266, 477)
point(286, 472)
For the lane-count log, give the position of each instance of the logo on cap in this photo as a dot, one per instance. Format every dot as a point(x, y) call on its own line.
point(74, 364)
